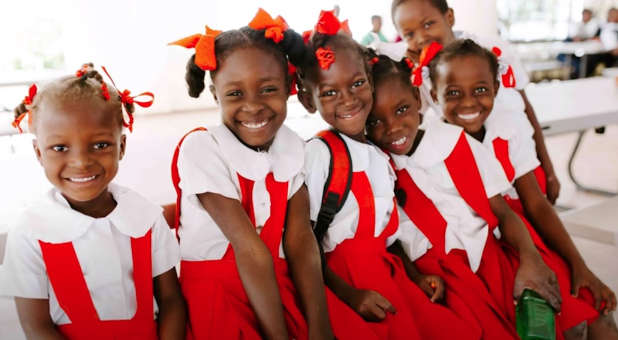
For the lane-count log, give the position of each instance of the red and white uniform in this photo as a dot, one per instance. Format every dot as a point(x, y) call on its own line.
point(216, 161)
point(508, 137)
point(355, 246)
point(96, 272)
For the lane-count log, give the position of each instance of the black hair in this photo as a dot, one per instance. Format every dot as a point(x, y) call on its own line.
point(375, 17)
point(440, 5)
point(461, 48)
point(87, 84)
point(384, 68)
point(291, 48)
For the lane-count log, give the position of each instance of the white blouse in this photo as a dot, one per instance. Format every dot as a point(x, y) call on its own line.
point(465, 229)
point(210, 161)
point(102, 246)
point(366, 158)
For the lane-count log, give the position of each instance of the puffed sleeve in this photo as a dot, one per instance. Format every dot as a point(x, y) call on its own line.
point(491, 172)
point(202, 168)
point(165, 249)
point(522, 149)
point(413, 241)
point(317, 160)
point(23, 272)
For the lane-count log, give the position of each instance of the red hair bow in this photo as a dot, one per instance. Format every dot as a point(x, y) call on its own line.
point(28, 100)
point(325, 57)
point(328, 23)
point(508, 77)
point(292, 73)
point(274, 28)
point(126, 98)
point(427, 55)
point(204, 45)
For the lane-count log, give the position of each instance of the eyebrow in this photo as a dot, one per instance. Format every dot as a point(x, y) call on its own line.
point(325, 84)
point(261, 80)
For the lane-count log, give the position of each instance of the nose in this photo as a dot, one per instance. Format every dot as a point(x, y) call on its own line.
point(468, 101)
point(347, 98)
point(80, 158)
point(252, 106)
point(392, 126)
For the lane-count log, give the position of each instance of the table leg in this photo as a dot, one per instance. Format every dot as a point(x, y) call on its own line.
point(578, 185)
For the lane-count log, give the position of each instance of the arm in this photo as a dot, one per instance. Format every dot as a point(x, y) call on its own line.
point(548, 224)
point(553, 185)
point(303, 256)
point(254, 262)
point(172, 309)
point(35, 319)
point(532, 272)
point(432, 285)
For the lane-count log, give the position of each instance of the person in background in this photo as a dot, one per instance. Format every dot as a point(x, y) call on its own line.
point(609, 33)
point(587, 29)
point(375, 34)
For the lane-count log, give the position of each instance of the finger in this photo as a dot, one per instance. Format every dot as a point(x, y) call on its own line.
point(383, 303)
point(597, 298)
point(548, 292)
point(438, 293)
point(612, 299)
point(577, 285)
point(377, 312)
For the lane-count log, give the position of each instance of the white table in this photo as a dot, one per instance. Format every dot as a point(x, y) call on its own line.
point(576, 106)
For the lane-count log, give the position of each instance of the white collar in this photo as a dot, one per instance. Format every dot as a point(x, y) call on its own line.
point(361, 153)
point(51, 219)
point(437, 144)
point(500, 124)
point(284, 158)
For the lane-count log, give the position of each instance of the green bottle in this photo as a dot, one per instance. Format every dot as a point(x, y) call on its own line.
point(535, 317)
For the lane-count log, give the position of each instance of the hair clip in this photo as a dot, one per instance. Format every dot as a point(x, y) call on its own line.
point(345, 26)
point(273, 28)
point(328, 23)
point(422, 70)
point(28, 100)
point(373, 61)
point(505, 71)
point(307, 36)
point(325, 57)
point(83, 70)
point(127, 99)
point(204, 45)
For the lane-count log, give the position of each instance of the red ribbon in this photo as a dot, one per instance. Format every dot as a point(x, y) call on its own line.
point(204, 45)
point(427, 55)
point(273, 28)
point(126, 98)
point(292, 73)
point(307, 36)
point(373, 61)
point(28, 100)
point(328, 23)
point(83, 70)
point(508, 78)
point(325, 57)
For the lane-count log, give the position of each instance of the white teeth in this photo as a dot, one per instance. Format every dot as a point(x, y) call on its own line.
point(400, 141)
point(82, 179)
point(254, 125)
point(469, 116)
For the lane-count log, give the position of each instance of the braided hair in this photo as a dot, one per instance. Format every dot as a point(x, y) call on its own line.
point(462, 48)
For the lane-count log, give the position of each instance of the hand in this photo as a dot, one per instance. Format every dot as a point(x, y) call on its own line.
point(432, 285)
point(535, 275)
point(371, 305)
point(582, 277)
point(552, 187)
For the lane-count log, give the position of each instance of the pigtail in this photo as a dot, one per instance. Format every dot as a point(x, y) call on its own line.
point(194, 78)
point(294, 47)
point(19, 110)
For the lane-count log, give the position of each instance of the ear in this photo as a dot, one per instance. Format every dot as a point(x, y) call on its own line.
point(306, 98)
point(213, 91)
point(37, 151)
point(450, 17)
point(496, 87)
point(123, 145)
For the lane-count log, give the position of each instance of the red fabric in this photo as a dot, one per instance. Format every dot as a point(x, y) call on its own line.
point(67, 280)
point(342, 166)
point(273, 28)
point(325, 56)
point(328, 23)
point(218, 305)
point(427, 55)
point(204, 45)
point(501, 151)
point(508, 79)
point(539, 173)
point(28, 100)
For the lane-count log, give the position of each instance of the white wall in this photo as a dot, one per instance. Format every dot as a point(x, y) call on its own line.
point(476, 16)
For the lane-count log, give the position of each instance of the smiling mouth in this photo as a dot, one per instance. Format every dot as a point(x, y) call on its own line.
point(255, 125)
point(82, 179)
point(469, 116)
point(401, 141)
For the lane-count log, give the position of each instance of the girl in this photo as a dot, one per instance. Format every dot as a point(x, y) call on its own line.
point(467, 100)
point(422, 22)
point(243, 274)
point(449, 187)
point(86, 260)
point(355, 235)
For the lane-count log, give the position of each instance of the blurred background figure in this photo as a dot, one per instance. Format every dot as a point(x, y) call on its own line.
point(375, 34)
point(336, 10)
point(609, 32)
point(586, 29)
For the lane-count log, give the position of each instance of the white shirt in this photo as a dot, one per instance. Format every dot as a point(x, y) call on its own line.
point(102, 246)
point(515, 128)
point(609, 36)
point(365, 158)
point(210, 161)
point(584, 30)
point(465, 229)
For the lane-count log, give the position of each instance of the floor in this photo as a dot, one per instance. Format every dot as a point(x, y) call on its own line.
point(145, 168)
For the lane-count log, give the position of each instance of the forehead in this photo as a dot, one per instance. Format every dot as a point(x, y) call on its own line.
point(348, 64)
point(390, 92)
point(470, 68)
point(60, 117)
point(411, 11)
point(249, 63)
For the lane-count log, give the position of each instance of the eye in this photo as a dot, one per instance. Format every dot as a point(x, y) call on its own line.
point(402, 109)
point(373, 122)
point(60, 148)
point(481, 90)
point(234, 93)
point(359, 83)
point(269, 89)
point(328, 93)
point(101, 145)
point(427, 24)
point(452, 93)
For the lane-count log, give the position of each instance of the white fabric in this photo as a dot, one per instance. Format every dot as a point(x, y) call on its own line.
point(102, 246)
point(465, 229)
point(584, 30)
point(365, 158)
point(609, 36)
point(211, 162)
point(413, 241)
point(515, 128)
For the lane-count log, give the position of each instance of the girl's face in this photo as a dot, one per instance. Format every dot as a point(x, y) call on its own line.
point(420, 24)
point(465, 88)
point(250, 86)
point(79, 145)
point(394, 119)
point(343, 94)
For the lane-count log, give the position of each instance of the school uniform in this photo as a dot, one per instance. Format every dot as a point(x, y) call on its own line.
point(96, 272)
point(215, 161)
point(508, 137)
point(355, 247)
point(444, 188)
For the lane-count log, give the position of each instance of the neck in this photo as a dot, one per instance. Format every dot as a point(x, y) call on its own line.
point(417, 142)
point(359, 138)
point(98, 207)
point(479, 135)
